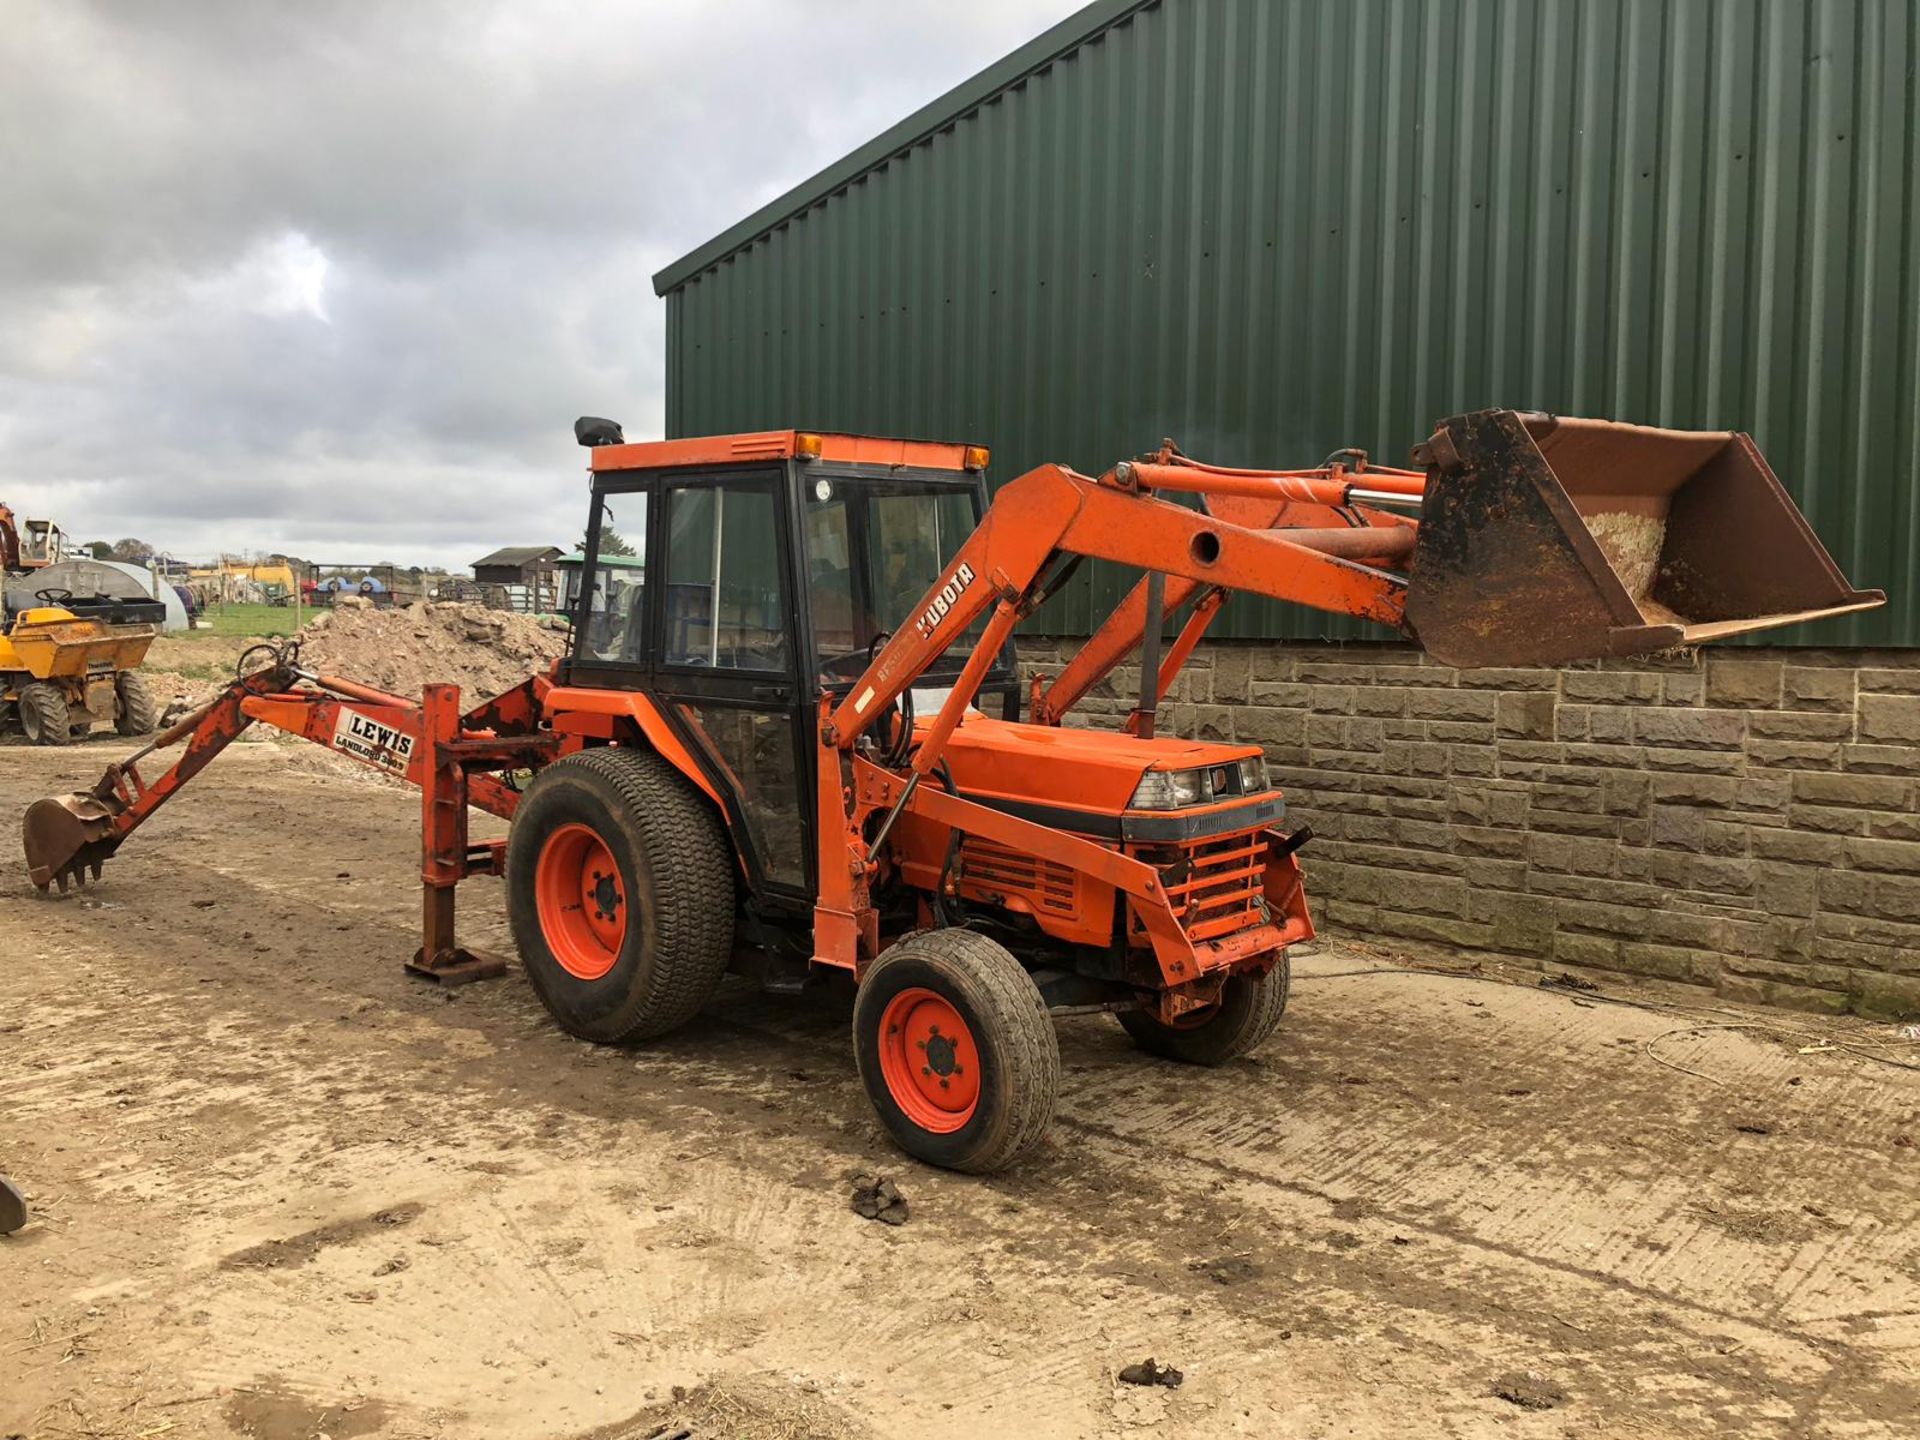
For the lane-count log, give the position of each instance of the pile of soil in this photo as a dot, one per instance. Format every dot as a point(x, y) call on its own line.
point(1632, 545)
point(484, 652)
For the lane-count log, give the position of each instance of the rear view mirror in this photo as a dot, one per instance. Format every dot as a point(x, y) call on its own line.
point(591, 431)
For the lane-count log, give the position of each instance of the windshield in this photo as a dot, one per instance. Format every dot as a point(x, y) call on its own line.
point(873, 548)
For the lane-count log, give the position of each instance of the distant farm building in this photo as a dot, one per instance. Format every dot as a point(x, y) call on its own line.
point(524, 573)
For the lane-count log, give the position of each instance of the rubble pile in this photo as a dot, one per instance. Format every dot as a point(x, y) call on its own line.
point(484, 652)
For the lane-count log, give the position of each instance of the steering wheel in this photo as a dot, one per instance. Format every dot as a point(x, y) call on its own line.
point(53, 596)
point(850, 666)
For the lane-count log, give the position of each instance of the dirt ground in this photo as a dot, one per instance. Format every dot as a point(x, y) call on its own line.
point(283, 1191)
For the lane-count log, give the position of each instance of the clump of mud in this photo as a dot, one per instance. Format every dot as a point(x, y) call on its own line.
point(1530, 1390)
point(875, 1197)
point(755, 1407)
point(484, 652)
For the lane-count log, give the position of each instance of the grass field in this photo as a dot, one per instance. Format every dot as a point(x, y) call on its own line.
point(236, 619)
point(208, 651)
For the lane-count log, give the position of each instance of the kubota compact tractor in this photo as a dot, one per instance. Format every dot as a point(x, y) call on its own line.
point(788, 735)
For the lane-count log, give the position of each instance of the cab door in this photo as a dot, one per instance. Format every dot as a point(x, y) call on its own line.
point(726, 658)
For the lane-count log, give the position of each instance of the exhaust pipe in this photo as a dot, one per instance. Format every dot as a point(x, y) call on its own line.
point(1545, 540)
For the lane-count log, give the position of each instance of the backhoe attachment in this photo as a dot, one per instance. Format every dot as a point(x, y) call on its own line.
point(458, 760)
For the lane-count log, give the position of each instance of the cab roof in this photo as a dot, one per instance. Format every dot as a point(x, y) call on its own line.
point(765, 445)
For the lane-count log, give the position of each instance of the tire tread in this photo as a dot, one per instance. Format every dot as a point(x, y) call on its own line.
point(691, 863)
point(136, 714)
point(1004, 993)
point(50, 708)
point(1228, 1036)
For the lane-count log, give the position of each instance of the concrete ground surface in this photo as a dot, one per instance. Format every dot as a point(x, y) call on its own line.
point(280, 1190)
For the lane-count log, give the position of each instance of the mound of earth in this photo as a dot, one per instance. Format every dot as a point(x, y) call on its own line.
point(482, 651)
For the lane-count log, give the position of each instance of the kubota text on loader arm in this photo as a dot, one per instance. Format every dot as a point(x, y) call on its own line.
point(770, 747)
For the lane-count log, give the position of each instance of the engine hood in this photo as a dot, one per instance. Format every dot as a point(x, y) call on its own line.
point(1084, 780)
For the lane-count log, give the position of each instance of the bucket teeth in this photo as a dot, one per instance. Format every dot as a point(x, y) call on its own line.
point(71, 876)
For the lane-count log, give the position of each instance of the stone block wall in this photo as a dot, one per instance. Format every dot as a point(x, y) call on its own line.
point(1740, 819)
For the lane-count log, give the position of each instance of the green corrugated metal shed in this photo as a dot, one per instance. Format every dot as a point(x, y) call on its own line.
point(1272, 227)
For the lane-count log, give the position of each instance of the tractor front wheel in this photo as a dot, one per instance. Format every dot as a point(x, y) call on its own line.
point(620, 894)
point(1249, 1011)
point(957, 1050)
point(135, 714)
point(44, 715)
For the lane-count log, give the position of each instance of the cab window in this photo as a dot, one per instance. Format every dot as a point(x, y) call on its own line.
point(722, 579)
point(612, 610)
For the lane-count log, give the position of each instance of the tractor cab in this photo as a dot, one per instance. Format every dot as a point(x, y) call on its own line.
point(736, 581)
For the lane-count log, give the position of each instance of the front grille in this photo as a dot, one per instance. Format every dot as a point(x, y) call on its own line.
point(996, 869)
point(1217, 887)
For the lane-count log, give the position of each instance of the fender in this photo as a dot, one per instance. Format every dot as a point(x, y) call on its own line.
point(577, 710)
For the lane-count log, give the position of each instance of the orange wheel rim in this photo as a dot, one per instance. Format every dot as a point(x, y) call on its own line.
point(582, 901)
point(929, 1060)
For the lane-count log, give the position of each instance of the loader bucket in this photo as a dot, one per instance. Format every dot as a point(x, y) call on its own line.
point(1545, 540)
point(67, 838)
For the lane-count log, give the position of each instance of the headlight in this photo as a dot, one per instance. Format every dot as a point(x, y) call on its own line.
point(1171, 790)
point(1177, 789)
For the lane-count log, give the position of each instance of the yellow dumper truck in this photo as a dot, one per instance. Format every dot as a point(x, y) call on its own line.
point(70, 662)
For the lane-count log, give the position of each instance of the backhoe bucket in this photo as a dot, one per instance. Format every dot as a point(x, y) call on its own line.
point(1544, 540)
point(68, 838)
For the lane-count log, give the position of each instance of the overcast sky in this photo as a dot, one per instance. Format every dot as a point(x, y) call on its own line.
point(334, 278)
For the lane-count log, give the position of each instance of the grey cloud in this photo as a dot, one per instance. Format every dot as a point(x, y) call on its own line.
point(327, 275)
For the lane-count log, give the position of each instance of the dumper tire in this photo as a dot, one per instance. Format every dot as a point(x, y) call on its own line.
point(136, 713)
point(44, 714)
point(654, 955)
point(1249, 1011)
point(935, 1006)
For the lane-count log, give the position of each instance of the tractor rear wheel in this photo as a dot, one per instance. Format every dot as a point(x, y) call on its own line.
point(620, 894)
point(136, 714)
point(44, 714)
point(956, 1050)
point(1249, 1011)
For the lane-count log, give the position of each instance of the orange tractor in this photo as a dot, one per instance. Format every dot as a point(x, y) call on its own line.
point(788, 737)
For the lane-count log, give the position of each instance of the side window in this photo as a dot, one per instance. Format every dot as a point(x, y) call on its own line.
point(722, 587)
point(613, 609)
point(911, 538)
point(837, 633)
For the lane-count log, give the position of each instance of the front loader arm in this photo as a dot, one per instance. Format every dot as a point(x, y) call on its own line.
point(1036, 521)
point(1051, 512)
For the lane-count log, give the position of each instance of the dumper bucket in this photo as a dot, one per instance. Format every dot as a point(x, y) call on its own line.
point(1545, 539)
